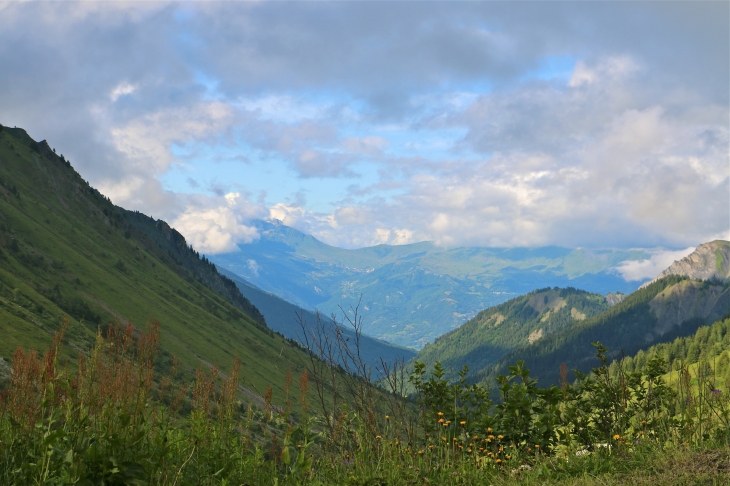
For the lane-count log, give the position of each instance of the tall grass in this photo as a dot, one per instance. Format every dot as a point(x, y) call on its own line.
point(114, 420)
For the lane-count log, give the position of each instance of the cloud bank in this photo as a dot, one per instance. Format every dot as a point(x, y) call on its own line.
point(489, 124)
point(636, 270)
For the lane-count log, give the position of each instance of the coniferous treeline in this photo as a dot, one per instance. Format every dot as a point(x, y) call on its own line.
point(709, 345)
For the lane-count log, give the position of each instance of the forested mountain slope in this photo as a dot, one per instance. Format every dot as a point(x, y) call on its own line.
point(65, 249)
point(670, 307)
point(524, 320)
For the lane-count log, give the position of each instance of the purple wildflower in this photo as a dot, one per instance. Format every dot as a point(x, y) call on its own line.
point(717, 392)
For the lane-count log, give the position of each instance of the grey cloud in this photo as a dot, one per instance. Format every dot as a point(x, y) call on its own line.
point(62, 62)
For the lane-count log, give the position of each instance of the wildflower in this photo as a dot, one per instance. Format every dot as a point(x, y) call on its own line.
point(489, 429)
point(440, 414)
point(462, 422)
point(455, 439)
point(500, 437)
point(616, 437)
point(431, 446)
point(643, 422)
point(387, 417)
point(509, 457)
point(446, 424)
point(443, 439)
point(468, 451)
point(441, 420)
point(565, 451)
point(537, 446)
point(716, 392)
point(476, 437)
point(420, 452)
point(498, 461)
point(378, 437)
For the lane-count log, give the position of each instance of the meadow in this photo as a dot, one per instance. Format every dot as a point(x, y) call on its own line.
point(113, 417)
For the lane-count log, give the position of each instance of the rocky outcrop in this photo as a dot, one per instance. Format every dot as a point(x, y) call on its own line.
point(614, 299)
point(710, 261)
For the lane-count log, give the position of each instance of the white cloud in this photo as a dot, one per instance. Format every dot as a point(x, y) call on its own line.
point(253, 267)
point(287, 214)
point(633, 270)
point(219, 229)
point(122, 89)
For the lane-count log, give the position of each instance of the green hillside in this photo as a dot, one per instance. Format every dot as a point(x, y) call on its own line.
point(65, 249)
point(668, 308)
point(527, 319)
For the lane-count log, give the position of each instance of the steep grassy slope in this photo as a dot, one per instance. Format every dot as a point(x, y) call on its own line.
point(282, 317)
point(670, 307)
point(66, 250)
point(524, 320)
point(414, 293)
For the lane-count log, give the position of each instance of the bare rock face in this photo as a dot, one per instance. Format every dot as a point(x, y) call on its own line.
point(708, 262)
point(614, 299)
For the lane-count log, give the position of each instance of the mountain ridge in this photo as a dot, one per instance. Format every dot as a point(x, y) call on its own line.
point(413, 293)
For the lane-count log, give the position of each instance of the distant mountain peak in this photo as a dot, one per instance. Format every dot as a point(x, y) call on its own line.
point(709, 261)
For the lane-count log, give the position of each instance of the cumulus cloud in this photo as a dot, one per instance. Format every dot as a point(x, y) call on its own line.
point(219, 229)
point(291, 215)
point(647, 269)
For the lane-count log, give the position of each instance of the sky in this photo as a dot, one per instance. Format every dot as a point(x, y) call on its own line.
point(579, 124)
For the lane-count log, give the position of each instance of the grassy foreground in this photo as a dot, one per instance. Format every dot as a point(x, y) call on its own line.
point(112, 421)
